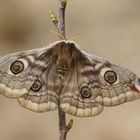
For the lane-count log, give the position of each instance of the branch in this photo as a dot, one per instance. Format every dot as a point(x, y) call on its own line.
point(63, 128)
point(61, 18)
point(60, 25)
point(60, 21)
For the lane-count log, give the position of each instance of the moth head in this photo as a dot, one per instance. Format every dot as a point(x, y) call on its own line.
point(71, 44)
point(66, 44)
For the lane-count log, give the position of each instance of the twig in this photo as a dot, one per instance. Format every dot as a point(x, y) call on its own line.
point(61, 18)
point(63, 128)
point(60, 22)
point(60, 25)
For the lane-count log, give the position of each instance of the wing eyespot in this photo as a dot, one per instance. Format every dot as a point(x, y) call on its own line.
point(110, 77)
point(85, 92)
point(36, 86)
point(17, 67)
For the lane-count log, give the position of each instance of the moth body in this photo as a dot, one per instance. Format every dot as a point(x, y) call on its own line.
point(64, 76)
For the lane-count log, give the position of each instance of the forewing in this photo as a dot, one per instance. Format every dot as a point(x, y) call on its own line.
point(94, 83)
point(34, 86)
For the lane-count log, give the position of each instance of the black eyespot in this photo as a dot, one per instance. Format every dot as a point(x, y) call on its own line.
point(17, 67)
point(110, 76)
point(36, 86)
point(85, 92)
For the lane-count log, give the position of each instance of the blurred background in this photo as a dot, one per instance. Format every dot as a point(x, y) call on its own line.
point(112, 30)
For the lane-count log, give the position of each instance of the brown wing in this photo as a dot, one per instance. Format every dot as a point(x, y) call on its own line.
point(93, 83)
point(30, 77)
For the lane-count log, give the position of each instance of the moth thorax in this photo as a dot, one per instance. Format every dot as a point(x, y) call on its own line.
point(62, 72)
point(63, 63)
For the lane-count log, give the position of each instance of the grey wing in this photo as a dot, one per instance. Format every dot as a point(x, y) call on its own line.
point(94, 83)
point(78, 98)
point(29, 77)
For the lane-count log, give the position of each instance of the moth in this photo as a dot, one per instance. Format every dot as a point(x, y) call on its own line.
point(64, 76)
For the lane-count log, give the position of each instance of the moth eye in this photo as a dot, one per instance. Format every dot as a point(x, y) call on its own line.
point(71, 44)
point(36, 86)
point(17, 67)
point(110, 76)
point(85, 92)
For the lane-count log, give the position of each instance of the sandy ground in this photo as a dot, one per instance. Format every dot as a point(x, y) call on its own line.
point(112, 30)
